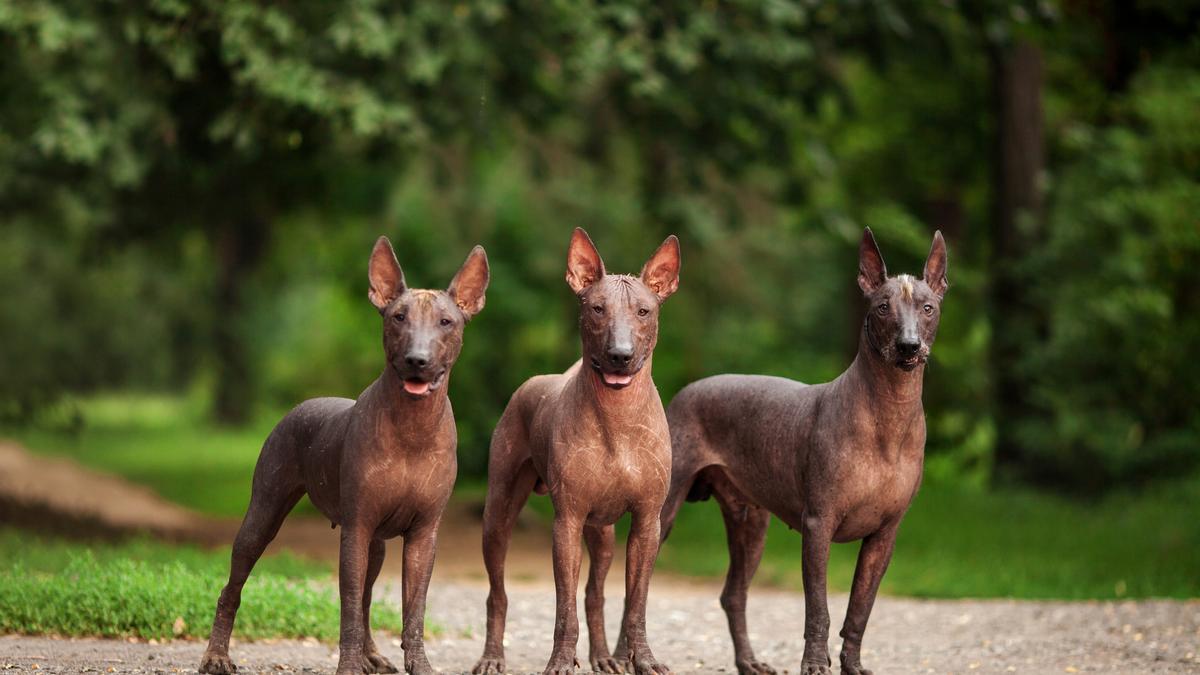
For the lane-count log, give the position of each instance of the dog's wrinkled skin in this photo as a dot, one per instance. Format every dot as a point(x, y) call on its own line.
point(596, 438)
point(839, 461)
point(381, 466)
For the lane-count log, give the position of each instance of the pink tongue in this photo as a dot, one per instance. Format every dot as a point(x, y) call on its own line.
point(617, 379)
point(414, 387)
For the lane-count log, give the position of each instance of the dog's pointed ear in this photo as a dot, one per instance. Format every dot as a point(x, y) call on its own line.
point(584, 266)
point(661, 271)
point(385, 275)
point(935, 266)
point(469, 285)
point(872, 273)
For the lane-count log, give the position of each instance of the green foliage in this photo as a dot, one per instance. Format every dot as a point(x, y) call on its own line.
point(1119, 280)
point(189, 190)
point(150, 590)
point(74, 325)
point(1009, 543)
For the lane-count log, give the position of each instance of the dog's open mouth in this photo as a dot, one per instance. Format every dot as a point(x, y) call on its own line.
point(418, 386)
point(613, 380)
point(909, 362)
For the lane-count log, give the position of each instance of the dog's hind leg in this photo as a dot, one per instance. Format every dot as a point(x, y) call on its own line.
point(372, 659)
point(510, 481)
point(272, 497)
point(746, 532)
point(600, 543)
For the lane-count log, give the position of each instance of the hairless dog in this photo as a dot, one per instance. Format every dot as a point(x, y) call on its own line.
point(594, 437)
point(380, 466)
point(839, 461)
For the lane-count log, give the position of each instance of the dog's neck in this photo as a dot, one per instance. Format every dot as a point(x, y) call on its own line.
point(616, 403)
point(891, 388)
point(405, 411)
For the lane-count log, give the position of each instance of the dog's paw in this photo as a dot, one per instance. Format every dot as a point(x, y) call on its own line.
point(621, 656)
point(351, 664)
point(606, 664)
point(815, 669)
point(754, 667)
point(217, 664)
point(417, 664)
point(561, 665)
point(854, 669)
point(374, 662)
point(650, 666)
point(489, 666)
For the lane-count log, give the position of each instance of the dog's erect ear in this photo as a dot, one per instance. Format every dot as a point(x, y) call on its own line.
point(872, 273)
point(385, 275)
point(661, 271)
point(935, 266)
point(584, 266)
point(468, 286)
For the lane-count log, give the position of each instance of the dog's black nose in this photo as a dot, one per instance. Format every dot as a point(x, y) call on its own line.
point(417, 359)
point(907, 347)
point(620, 356)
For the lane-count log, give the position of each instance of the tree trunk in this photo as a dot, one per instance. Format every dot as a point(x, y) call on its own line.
point(1018, 162)
point(239, 246)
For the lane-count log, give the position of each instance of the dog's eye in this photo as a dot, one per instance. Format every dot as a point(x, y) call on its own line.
point(446, 322)
point(398, 317)
point(643, 311)
point(883, 308)
point(597, 309)
point(929, 309)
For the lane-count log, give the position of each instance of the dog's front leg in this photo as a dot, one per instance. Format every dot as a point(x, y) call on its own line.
point(420, 547)
point(818, 534)
point(567, 554)
point(373, 661)
point(600, 543)
point(640, 554)
point(352, 574)
point(873, 559)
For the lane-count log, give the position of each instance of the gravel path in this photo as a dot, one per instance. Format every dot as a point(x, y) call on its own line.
point(687, 631)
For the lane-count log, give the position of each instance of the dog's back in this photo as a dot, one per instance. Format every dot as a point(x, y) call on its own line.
point(750, 427)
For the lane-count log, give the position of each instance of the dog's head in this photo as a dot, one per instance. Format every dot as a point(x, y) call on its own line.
point(423, 329)
point(618, 313)
point(902, 311)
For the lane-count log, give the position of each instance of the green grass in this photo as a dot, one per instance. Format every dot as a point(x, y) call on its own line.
point(957, 543)
point(152, 590)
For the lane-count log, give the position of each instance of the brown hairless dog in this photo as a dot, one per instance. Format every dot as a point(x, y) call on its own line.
point(839, 461)
point(596, 438)
point(380, 466)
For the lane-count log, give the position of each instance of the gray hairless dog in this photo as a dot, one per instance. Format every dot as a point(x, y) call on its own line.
point(594, 437)
point(381, 466)
point(839, 461)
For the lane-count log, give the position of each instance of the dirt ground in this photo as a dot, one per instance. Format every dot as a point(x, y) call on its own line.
point(686, 625)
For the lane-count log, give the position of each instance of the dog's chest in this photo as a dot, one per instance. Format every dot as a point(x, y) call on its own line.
point(405, 488)
point(607, 474)
point(877, 497)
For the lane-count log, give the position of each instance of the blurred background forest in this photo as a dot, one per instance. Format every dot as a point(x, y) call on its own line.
point(189, 192)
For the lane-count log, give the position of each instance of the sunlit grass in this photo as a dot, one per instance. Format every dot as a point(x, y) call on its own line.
point(151, 590)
